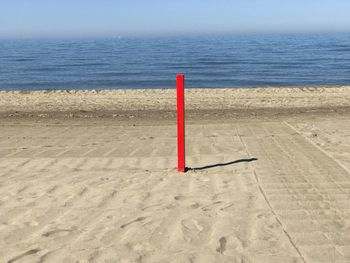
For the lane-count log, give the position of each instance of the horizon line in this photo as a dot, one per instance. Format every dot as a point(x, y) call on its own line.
point(165, 35)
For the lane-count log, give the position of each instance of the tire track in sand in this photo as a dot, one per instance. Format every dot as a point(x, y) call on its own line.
point(305, 189)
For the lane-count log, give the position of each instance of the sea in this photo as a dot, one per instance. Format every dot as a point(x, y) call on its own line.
point(238, 60)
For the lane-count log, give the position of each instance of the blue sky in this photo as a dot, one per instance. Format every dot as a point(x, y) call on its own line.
point(69, 18)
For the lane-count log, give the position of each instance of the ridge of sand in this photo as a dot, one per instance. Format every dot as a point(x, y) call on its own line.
point(164, 99)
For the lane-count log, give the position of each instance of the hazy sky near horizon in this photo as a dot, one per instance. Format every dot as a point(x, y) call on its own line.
point(69, 18)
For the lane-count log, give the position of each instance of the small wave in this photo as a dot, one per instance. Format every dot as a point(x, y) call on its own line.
point(23, 59)
point(82, 65)
point(340, 49)
point(30, 84)
point(116, 74)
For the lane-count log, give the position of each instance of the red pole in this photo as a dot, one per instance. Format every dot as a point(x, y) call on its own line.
point(180, 90)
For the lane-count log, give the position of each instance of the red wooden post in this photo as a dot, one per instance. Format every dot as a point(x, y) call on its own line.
point(180, 90)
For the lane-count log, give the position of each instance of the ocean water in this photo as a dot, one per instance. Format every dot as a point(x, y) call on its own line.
point(225, 61)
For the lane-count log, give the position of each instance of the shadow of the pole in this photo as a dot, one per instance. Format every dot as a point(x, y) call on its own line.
point(221, 164)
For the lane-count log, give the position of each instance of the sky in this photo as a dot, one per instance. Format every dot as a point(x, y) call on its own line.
point(108, 18)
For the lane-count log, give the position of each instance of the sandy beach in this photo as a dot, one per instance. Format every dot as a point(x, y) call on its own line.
point(90, 176)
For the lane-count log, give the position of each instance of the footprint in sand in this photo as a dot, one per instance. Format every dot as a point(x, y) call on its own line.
point(212, 206)
point(190, 229)
point(179, 197)
point(59, 232)
point(139, 219)
point(222, 245)
point(195, 205)
point(28, 253)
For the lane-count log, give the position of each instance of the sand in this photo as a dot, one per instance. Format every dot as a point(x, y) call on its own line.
point(91, 176)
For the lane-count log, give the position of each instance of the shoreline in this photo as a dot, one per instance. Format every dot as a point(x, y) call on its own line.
point(97, 89)
point(92, 101)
